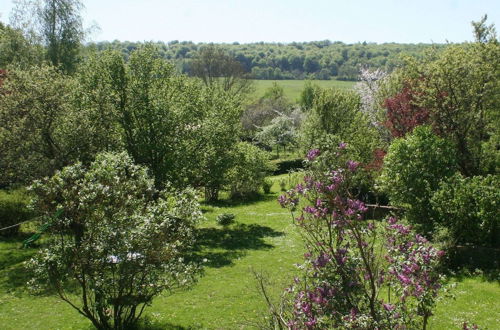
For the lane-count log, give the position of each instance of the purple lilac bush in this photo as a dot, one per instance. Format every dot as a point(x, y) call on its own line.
point(357, 273)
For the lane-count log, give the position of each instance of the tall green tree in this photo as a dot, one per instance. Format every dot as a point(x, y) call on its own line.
point(99, 97)
point(220, 129)
point(216, 68)
point(62, 31)
point(57, 24)
point(460, 88)
point(163, 112)
point(337, 114)
point(39, 131)
point(180, 129)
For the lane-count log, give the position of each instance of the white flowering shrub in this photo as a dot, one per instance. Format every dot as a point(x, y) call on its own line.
point(114, 236)
point(368, 89)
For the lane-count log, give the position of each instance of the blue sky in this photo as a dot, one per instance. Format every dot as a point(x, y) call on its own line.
point(350, 21)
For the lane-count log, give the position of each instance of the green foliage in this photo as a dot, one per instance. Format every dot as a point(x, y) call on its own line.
point(413, 169)
point(49, 120)
point(459, 87)
point(13, 210)
point(280, 132)
point(490, 154)
point(15, 49)
point(275, 92)
point(468, 209)
point(120, 241)
point(267, 185)
point(218, 139)
point(336, 117)
point(306, 100)
point(283, 186)
point(250, 167)
point(99, 98)
point(225, 219)
point(286, 166)
point(39, 129)
point(154, 91)
point(296, 60)
point(334, 112)
point(62, 32)
point(182, 131)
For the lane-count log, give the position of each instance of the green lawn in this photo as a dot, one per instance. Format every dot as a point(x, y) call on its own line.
point(293, 88)
point(226, 297)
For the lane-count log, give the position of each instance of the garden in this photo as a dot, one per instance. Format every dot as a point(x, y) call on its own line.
point(133, 196)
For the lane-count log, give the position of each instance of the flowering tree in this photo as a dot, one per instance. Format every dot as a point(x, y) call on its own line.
point(280, 132)
point(368, 88)
point(357, 273)
point(114, 237)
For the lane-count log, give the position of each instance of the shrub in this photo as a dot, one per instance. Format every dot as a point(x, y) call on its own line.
point(283, 185)
point(13, 210)
point(306, 99)
point(337, 116)
point(413, 168)
point(267, 185)
point(468, 209)
point(116, 238)
point(225, 219)
point(357, 274)
point(250, 167)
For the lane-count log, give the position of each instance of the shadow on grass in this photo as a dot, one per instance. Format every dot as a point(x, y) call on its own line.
point(222, 245)
point(249, 200)
point(474, 261)
point(491, 275)
point(158, 325)
point(13, 275)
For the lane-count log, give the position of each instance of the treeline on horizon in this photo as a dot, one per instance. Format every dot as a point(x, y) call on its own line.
point(319, 60)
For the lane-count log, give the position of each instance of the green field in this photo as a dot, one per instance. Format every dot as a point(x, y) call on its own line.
point(293, 88)
point(226, 297)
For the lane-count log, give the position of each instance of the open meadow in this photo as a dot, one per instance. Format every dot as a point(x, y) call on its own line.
point(292, 88)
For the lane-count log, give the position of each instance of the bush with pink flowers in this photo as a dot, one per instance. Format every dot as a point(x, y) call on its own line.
point(357, 273)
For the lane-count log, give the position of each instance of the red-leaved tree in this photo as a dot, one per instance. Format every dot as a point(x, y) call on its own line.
point(403, 115)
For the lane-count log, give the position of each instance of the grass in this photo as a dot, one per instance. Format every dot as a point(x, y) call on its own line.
point(226, 297)
point(293, 88)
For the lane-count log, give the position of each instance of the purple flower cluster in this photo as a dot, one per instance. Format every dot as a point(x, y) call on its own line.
point(413, 263)
point(343, 274)
point(312, 154)
point(352, 165)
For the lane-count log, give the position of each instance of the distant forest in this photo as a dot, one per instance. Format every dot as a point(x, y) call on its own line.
point(320, 60)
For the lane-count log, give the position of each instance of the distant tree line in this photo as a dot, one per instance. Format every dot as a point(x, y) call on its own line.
point(321, 60)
